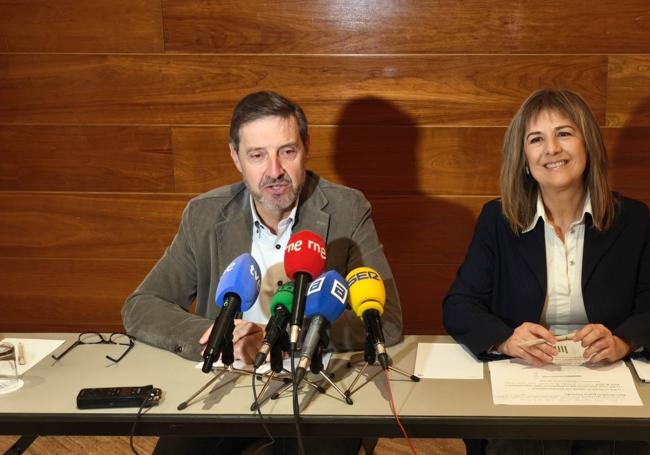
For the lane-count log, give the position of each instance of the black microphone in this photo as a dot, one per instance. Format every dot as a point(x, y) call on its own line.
point(280, 311)
point(326, 300)
point(237, 291)
point(304, 259)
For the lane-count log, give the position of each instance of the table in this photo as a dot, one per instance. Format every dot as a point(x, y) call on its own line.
point(429, 408)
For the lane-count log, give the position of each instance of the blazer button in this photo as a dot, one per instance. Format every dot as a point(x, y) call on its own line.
point(178, 349)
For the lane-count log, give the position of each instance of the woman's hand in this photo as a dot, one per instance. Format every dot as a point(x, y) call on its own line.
point(537, 355)
point(601, 345)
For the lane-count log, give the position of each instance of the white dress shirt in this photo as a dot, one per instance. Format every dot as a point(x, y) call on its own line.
point(564, 307)
point(268, 250)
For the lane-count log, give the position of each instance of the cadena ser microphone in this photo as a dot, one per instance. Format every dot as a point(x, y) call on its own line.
point(237, 291)
point(281, 304)
point(304, 259)
point(326, 300)
point(367, 299)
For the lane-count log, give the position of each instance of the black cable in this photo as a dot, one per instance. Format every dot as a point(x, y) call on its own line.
point(137, 419)
point(296, 405)
point(259, 412)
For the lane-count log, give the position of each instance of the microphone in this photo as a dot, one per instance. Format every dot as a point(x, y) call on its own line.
point(367, 299)
point(281, 305)
point(326, 300)
point(304, 259)
point(237, 291)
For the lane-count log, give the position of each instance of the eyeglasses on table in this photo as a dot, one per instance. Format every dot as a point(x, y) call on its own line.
point(97, 338)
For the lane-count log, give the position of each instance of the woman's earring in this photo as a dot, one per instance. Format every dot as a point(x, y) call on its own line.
point(526, 169)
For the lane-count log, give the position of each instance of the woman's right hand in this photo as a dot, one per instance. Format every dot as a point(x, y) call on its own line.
point(537, 355)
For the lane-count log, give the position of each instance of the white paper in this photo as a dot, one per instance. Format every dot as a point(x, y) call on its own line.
point(446, 361)
point(515, 383)
point(642, 367)
point(34, 351)
point(569, 353)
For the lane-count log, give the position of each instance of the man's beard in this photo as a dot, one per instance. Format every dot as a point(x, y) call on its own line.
point(278, 203)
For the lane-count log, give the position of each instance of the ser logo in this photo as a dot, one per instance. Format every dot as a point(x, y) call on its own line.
point(365, 275)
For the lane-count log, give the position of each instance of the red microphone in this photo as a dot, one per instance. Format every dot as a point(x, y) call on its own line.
point(304, 259)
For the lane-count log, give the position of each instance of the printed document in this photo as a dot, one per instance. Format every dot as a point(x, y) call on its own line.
point(516, 383)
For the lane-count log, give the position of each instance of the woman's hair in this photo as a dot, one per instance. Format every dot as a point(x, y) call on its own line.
point(519, 189)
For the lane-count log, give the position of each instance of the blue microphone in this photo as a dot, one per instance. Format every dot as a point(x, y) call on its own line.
point(326, 300)
point(237, 291)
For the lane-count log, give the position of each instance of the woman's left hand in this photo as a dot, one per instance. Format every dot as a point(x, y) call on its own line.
point(601, 344)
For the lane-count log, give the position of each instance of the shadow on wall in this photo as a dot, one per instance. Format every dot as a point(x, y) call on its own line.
point(629, 160)
point(424, 237)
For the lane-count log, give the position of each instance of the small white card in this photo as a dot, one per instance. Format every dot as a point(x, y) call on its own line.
point(446, 361)
point(642, 367)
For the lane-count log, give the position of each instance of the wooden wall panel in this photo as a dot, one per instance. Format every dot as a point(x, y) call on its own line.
point(88, 225)
point(427, 90)
point(59, 158)
point(422, 287)
point(413, 26)
point(629, 160)
point(628, 91)
point(79, 26)
point(67, 294)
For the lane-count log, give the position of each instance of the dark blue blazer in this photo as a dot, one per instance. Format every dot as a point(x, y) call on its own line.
point(502, 282)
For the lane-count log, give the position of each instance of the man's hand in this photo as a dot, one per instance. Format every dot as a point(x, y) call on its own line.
point(246, 338)
point(601, 345)
point(539, 354)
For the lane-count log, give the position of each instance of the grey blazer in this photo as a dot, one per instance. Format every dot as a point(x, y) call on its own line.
point(217, 227)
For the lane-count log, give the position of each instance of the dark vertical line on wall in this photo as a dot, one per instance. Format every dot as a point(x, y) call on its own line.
point(607, 92)
point(162, 25)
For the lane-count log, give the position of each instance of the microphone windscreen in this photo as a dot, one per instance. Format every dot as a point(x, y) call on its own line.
point(305, 253)
point(241, 277)
point(327, 296)
point(283, 296)
point(367, 290)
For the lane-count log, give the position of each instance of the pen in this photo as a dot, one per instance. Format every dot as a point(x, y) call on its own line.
point(568, 336)
point(21, 354)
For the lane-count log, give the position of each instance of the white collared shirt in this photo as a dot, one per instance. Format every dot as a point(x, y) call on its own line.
point(268, 250)
point(564, 307)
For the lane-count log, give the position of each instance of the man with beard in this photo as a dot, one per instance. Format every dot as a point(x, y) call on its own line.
point(269, 145)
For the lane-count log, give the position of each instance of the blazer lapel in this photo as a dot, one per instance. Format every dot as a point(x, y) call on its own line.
point(596, 244)
point(532, 247)
point(311, 215)
point(234, 230)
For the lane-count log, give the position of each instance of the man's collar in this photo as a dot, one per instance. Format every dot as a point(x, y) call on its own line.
point(282, 225)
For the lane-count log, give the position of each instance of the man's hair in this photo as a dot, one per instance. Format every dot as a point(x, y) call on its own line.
point(519, 190)
point(265, 104)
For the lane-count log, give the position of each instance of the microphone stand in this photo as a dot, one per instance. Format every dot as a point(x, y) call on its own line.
point(277, 350)
point(227, 358)
point(316, 367)
point(370, 356)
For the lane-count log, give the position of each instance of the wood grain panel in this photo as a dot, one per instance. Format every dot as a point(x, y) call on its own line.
point(202, 159)
point(413, 26)
point(87, 225)
point(628, 91)
point(422, 287)
point(65, 294)
point(74, 26)
point(182, 89)
point(376, 160)
point(53, 158)
point(629, 160)
point(426, 230)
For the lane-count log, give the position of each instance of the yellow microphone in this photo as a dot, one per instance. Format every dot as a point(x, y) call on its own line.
point(367, 299)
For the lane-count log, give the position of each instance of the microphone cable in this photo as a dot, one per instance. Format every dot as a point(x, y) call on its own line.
point(296, 405)
point(138, 416)
point(259, 412)
point(393, 409)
